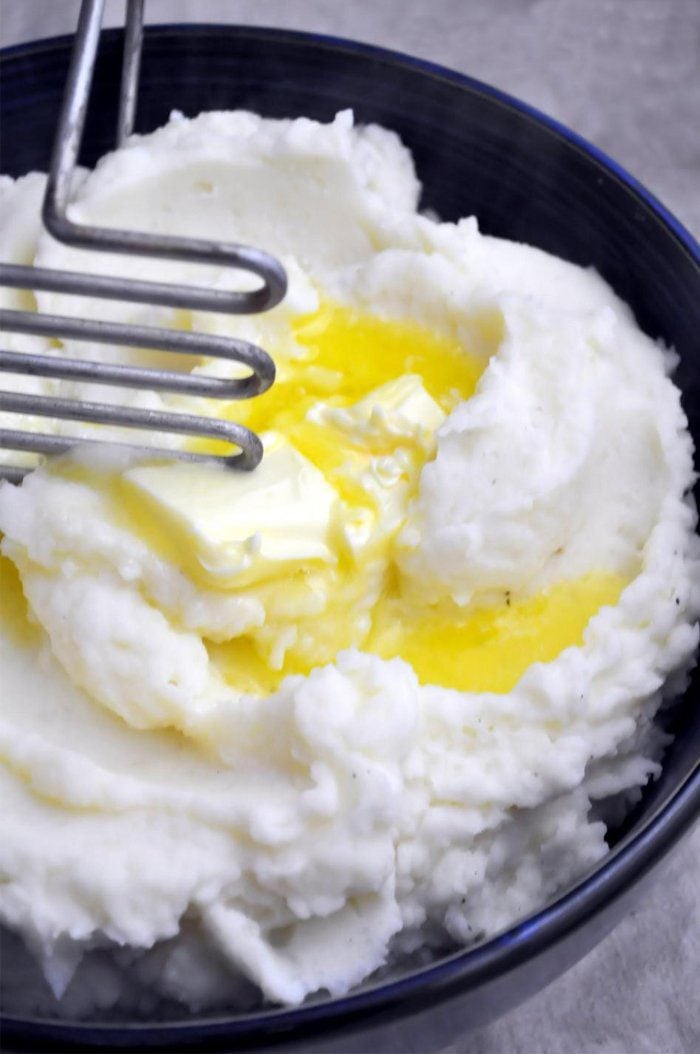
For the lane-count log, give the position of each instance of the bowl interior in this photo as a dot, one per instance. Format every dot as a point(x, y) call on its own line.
point(476, 153)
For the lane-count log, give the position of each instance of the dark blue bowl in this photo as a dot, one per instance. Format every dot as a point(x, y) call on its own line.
point(477, 152)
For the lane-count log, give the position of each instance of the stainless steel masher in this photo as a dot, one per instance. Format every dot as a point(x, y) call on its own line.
point(56, 200)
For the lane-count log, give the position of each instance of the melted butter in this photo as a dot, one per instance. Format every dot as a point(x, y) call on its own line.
point(312, 613)
point(345, 355)
point(14, 614)
point(348, 354)
point(489, 649)
point(477, 650)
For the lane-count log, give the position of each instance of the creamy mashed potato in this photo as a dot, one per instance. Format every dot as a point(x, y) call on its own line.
point(364, 697)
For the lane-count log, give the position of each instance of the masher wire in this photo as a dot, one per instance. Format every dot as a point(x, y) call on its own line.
point(69, 135)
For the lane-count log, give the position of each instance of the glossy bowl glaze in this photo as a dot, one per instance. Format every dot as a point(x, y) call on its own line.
point(478, 152)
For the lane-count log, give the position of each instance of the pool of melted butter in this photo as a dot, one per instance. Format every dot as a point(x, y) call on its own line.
point(361, 601)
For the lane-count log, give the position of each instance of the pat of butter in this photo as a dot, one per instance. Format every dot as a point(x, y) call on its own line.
point(403, 405)
point(399, 409)
point(386, 436)
point(243, 527)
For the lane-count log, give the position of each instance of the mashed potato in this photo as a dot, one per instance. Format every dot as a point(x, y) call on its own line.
point(364, 697)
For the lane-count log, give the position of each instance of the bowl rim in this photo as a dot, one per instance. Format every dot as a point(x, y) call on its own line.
point(636, 853)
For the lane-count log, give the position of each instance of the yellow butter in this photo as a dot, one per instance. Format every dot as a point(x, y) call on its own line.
point(310, 534)
point(14, 613)
point(489, 649)
point(243, 526)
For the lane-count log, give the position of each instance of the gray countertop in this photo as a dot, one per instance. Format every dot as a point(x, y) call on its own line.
point(626, 75)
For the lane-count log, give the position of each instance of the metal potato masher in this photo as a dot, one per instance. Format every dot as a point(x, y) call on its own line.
point(274, 283)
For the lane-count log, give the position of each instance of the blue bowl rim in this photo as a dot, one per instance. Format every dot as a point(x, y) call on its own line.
point(636, 854)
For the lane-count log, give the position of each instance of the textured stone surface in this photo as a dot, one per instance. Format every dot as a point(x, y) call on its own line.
point(626, 75)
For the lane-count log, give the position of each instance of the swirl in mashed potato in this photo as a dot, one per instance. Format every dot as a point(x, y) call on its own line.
point(367, 694)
